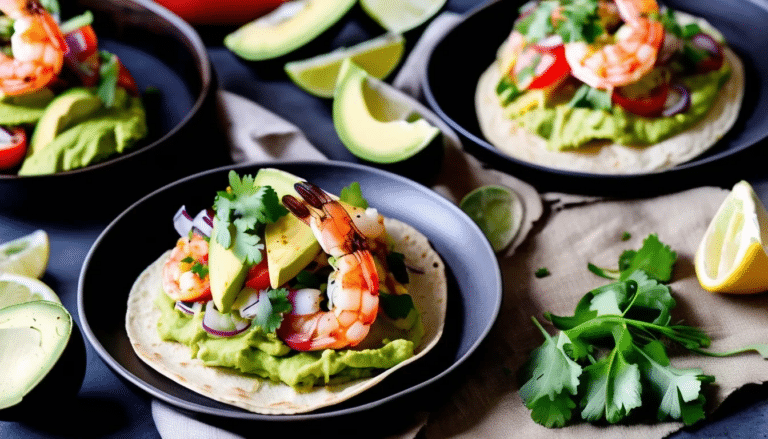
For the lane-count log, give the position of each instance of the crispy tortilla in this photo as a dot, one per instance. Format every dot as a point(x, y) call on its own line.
point(428, 290)
point(611, 158)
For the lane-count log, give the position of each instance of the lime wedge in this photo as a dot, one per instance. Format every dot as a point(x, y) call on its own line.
point(398, 16)
point(498, 212)
point(27, 256)
point(317, 75)
point(19, 289)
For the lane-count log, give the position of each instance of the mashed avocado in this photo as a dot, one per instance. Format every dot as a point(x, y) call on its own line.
point(566, 127)
point(262, 354)
point(106, 132)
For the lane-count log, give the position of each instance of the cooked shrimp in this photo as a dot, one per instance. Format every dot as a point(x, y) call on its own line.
point(38, 48)
point(353, 287)
point(180, 281)
point(606, 65)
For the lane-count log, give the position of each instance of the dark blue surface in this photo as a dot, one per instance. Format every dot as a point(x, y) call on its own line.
point(107, 407)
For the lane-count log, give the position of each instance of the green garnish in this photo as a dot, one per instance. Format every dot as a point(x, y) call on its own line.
point(614, 341)
point(76, 22)
point(353, 195)
point(542, 272)
point(626, 236)
point(201, 270)
point(307, 279)
point(241, 213)
point(396, 306)
point(507, 90)
point(592, 98)
point(16, 249)
point(580, 21)
point(108, 74)
point(280, 306)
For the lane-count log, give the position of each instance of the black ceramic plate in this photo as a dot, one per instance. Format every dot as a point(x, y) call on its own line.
point(469, 48)
point(163, 53)
point(141, 233)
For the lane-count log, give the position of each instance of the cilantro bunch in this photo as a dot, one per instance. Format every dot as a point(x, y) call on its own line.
point(242, 211)
point(610, 359)
point(577, 20)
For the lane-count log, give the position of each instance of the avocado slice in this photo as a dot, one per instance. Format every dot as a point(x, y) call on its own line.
point(290, 26)
point(38, 346)
point(64, 111)
point(373, 126)
point(290, 243)
point(226, 273)
point(24, 109)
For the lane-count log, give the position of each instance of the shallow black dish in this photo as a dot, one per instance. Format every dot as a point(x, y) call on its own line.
point(142, 232)
point(469, 48)
point(162, 52)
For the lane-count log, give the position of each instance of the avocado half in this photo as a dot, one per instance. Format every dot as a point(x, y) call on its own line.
point(42, 356)
point(290, 26)
point(382, 125)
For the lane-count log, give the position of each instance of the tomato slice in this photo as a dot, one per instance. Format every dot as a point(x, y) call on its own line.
point(539, 67)
point(258, 276)
point(82, 54)
point(13, 147)
point(648, 105)
point(125, 80)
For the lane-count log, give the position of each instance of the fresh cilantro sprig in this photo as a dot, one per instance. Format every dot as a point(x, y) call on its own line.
point(609, 358)
point(241, 213)
point(278, 298)
point(576, 20)
point(353, 195)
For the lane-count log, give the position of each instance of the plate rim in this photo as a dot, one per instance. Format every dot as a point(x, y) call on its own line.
point(242, 414)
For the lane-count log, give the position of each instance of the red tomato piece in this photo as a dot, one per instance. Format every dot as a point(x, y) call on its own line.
point(125, 80)
point(82, 54)
point(650, 105)
point(258, 276)
point(540, 67)
point(220, 11)
point(13, 152)
point(709, 64)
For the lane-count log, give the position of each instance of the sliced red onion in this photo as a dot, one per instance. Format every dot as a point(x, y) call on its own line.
point(223, 325)
point(549, 43)
point(678, 100)
point(305, 301)
point(706, 42)
point(203, 222)
point(189, 308)
point(257, 306)
point(182, 221)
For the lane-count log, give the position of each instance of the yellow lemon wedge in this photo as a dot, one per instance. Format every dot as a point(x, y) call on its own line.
point(732, 257)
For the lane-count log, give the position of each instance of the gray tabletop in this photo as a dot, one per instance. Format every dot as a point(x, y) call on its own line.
point(108, 407)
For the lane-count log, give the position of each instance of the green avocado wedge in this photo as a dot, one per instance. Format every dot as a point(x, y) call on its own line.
point(373, 126)
point(42, 356)
point(65, 111)
point(24, 109)
point(290, 26)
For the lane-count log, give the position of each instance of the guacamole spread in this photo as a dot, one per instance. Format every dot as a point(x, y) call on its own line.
point(263, 354)
point(105, 132)
point(24, 109)
point(566, 127)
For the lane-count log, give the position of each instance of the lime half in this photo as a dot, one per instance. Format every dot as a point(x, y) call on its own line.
point(398, 16)
point(19, 289)
point(497, 210)
point(27, 256)
point(317, 75)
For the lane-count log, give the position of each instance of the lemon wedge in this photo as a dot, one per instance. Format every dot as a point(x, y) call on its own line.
point(27, 256)
point(732, 257)
point(15, 289)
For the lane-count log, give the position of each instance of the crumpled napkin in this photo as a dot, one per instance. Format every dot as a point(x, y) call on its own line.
point(255, 134)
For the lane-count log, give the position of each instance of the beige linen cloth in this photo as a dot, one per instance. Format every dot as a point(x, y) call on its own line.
point(560, 232)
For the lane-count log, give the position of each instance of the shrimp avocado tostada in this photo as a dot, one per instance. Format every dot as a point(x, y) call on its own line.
point(284, 299)
point(603, 86)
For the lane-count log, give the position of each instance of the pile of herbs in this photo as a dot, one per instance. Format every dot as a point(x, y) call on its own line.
point(610, 357)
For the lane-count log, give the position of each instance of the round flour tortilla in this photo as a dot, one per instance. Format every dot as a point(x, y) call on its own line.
point(428, 290)
point(604, 158)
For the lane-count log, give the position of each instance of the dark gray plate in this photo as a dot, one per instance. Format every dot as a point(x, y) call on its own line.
point(469, 48)
point(142, 232)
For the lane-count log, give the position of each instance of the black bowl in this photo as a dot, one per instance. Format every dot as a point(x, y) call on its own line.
point(162, 52)
point(472, 44)
point(145, 230)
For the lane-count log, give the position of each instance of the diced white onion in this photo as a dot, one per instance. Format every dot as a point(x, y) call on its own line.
point(223, 325)
point(306, 301)
point(257, 307)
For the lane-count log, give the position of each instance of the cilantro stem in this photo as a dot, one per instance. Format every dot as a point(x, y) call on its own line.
point(691, 338)
point(760, 348)
point(604, 272)
point(541, 328)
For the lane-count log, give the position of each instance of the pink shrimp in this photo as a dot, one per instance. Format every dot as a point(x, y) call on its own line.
point(180, 281)
point(625, 61)
point(38, 48)
point(353, 287)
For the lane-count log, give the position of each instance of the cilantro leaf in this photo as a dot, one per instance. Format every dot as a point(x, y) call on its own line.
point(353, 195)
point(613, 388)
point(201, 270)
point(280, 305)
point(650, 295)
point(537, 24)
point(108, 74)
point(551, 377)
point(654, 258)
point(396, 306)
point(592, 98)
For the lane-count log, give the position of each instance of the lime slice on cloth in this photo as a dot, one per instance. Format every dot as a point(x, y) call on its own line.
point(732, 257)
point(27, 256)
point(398, 16)
point(497, 210)
point(15, 289)
point(317, 75)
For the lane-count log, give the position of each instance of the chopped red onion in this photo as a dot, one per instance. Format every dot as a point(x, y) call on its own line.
point(223, 325)
point(189, 308)
point(257, 306)
point(706, 42)
point(203, 222)
point(413, 269)
point(182, 222)
point(549, 43)
point(678, 100)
